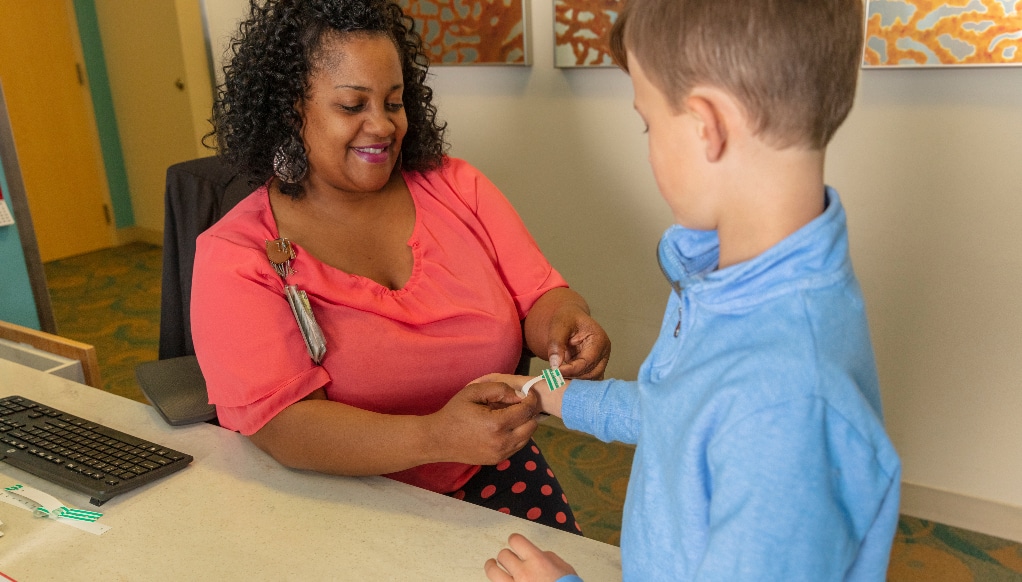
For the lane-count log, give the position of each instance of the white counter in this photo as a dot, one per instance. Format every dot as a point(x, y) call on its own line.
point(236, 514)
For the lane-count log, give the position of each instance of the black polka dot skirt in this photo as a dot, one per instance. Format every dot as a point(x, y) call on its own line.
point(523, 486)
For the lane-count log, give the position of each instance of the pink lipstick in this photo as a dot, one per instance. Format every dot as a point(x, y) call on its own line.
point(373, 154)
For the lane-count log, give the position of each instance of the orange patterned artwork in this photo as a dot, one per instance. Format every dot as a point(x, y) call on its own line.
point(581, 29)
point(923, 33)
point(471, 32)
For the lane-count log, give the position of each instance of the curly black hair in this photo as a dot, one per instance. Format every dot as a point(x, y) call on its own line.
point(271, 57)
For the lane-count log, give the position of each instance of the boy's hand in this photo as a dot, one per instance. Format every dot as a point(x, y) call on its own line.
point(515, 382)
point(549, 401)
point(524, 562)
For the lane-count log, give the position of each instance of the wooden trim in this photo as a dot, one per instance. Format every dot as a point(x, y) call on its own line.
point(55, 344)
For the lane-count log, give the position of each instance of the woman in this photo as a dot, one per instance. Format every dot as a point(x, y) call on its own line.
point(419, 272)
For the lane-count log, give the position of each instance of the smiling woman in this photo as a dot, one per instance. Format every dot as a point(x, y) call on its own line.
point(420, 275)
point(353, 127)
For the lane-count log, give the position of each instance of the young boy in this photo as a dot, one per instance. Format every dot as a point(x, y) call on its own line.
point(761, 448)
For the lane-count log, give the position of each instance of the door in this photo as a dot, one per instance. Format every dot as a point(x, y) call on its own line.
point(54, 127)
point(155, 57)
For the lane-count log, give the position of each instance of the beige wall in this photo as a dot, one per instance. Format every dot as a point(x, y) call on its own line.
point(220, 18)
point(929, 170)
point(150, 47)
point(929, 162)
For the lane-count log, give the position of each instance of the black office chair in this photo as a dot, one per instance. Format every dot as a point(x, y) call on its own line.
point(198, 193)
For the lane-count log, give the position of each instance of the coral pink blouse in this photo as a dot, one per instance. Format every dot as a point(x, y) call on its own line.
point(476, 274)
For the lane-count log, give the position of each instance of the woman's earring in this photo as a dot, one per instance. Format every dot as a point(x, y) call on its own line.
point(289, 163)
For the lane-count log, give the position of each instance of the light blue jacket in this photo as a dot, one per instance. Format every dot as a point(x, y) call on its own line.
point(761, 448)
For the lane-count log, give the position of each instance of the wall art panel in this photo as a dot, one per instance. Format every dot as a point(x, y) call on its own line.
point(927, 33)
point(472, 32)
point(581, 32)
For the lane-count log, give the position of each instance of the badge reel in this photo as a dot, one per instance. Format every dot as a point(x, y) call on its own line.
point(280, 252)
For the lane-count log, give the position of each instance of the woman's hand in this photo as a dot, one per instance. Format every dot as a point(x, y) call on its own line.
point(524, 562)
point(484, 424)
point(559, 325)
point(579, 347)
point(549, 400)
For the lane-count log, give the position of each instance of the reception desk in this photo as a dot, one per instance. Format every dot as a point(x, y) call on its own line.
point(236, 514)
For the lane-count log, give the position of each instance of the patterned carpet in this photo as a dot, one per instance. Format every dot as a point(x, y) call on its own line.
point(110, 299)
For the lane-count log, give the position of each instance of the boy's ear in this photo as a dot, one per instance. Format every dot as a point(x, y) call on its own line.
point(712, 123)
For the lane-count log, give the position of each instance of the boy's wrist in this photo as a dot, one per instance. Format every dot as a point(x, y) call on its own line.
point(550, 400)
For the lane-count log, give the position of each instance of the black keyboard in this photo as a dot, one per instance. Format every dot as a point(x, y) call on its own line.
point(79, 454)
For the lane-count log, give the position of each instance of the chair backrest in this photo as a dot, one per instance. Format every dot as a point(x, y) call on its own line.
point(198, 193)
point(55, 344)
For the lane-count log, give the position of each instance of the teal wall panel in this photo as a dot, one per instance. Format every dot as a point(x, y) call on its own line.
point(106, 121)
point(17, 304)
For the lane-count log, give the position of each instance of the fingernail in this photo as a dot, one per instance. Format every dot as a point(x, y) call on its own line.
point(555, 361)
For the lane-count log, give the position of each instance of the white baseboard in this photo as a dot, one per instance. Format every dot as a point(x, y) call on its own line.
point(980, 515)
point(133, 234)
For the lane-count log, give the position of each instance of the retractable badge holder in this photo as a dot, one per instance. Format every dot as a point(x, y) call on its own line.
point(280, 253)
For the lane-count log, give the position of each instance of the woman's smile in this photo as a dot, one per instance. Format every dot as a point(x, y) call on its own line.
point(373, 154)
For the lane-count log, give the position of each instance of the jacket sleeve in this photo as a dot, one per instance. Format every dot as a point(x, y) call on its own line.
point(798, 493)
point(606, 409)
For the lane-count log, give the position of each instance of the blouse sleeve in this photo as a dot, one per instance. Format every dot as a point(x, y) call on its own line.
point(526, 272)
point(246, 339)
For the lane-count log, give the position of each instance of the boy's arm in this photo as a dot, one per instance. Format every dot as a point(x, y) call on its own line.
point(798, 493)
point(606, 409)
point(550, 401)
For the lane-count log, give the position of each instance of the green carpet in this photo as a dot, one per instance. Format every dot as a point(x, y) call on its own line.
point(110, 299)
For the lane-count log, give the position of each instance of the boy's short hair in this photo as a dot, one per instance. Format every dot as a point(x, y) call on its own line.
point(792, 64)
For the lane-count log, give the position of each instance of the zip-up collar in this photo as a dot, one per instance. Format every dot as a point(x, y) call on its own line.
point(689, 259)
